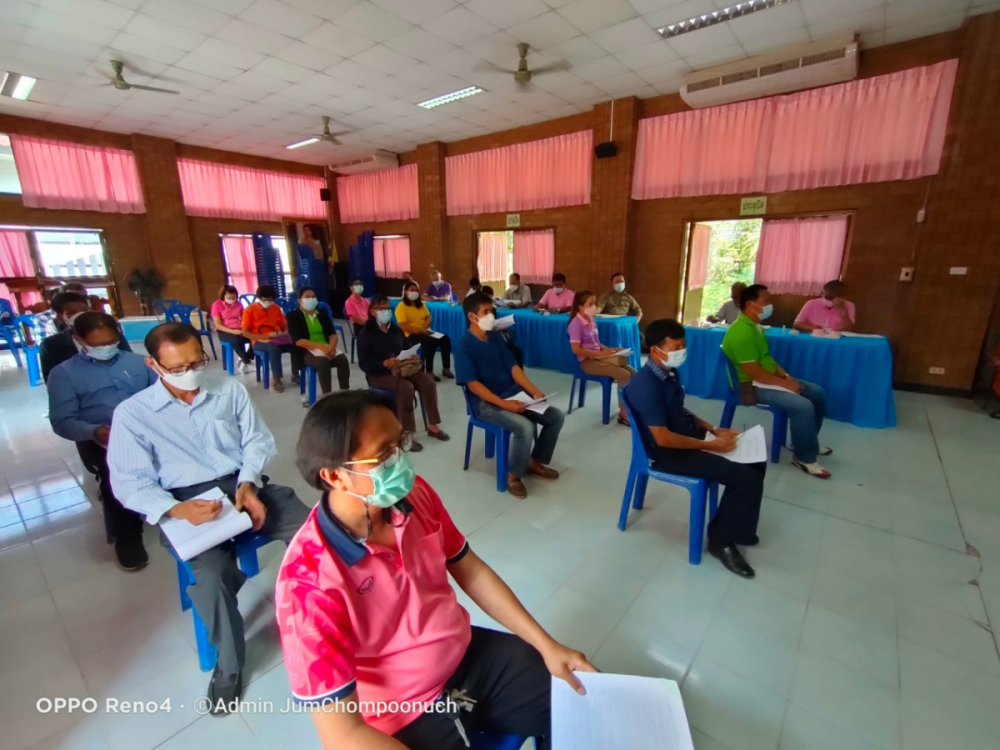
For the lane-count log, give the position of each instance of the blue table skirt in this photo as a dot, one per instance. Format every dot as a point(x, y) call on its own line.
point(542, 337)
point(856, 372)
point(135, 329)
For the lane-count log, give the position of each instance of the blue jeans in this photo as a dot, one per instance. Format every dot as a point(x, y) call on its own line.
point(522, 430)
point(805, 413)
point(274, 352)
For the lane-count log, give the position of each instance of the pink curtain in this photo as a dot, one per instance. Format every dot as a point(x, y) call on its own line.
point(227, 191)
point(57, 174)
point(535, 255)
point(701, 242)
point(15, 255)
point(492, 261)
point(387, 195)
point(539, 174)
point(798, 256)
point(889, 127)
point(392, 256)
point(241, 263)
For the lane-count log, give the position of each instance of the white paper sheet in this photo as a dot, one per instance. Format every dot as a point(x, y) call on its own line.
point(189, 540)
point(608, 315)
point(537, 405)
point(436, 335)
point(499, 302)
point(768, 387)
point(504, 323)
point(622, 353)
point(619, 711)
point(853, 335)
point(413, 351)
point(751, 447)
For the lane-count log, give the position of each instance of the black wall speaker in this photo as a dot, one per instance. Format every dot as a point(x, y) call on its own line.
point(324, 195)
point(605, 150)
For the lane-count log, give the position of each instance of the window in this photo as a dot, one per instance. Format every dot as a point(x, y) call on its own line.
point(9, 182)
point(392, 255)
point(281, 245)
point(241, 262)
point(529, 252)
point(70, 255)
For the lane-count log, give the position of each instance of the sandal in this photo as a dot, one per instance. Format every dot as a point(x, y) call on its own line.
point(622, 420)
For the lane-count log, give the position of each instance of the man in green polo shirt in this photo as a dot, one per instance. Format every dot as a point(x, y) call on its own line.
point(805, 403)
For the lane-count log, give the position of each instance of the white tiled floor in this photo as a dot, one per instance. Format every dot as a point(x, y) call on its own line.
point(871, 623)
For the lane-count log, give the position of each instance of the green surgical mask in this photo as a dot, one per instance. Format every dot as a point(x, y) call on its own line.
point(391, 480)
point(358, 288)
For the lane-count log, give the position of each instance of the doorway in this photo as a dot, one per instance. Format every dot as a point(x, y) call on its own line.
point(720, 253)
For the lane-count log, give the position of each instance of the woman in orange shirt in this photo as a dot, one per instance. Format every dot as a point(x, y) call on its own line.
point(264, 324)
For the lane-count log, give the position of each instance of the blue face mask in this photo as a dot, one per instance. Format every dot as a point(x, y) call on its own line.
point(766, 311)
point(383, 317)
point(391, 481)
point(102, 353)
point(437, 282)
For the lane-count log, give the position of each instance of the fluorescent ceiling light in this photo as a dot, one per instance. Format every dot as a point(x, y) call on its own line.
point(306, 142)
point(16, 85)
point(718, 16)
point(454, 96)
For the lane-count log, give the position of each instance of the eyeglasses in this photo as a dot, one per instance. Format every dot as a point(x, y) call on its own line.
point(181, 369)
point(402, 445)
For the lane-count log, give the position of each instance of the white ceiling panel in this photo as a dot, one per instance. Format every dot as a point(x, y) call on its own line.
point(67, 25)
point(384, 59)
point(372, 22)
point(647, 55)
point(354, 72)
point(767, 23)
point(228, 54)
point(460, 26)
point(545, 31)
point(158, 51)
point(307, 56)
point(716, 56)
point(507, 13)
point(251, 36)
point(148, 27)
point(816, 11)
point(281, 17)
point(283, 71)
point(416, 12)
point(337, 40)
point(578, 50)
point(702, 40)
point(189, 15)
point(625, 36)
point(420, 44)
point(777, 41)
point(590, 15)
point(94, 11)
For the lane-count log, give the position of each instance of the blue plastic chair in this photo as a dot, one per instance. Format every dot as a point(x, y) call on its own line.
point(194, 317)
point(246, 546)
point(579, 376)
point(779, 430)
point(161, 307)
point(228, 357)
point(489, 741)
point(262, 361)
point(287, 304)
point(247, 299)
point(308, 373)
point(497, 438)
point(24, 330)
point(7, 329)
point(639, 473)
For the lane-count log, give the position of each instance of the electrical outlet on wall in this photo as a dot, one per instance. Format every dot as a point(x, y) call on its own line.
point(937, 371)
point(906, 273)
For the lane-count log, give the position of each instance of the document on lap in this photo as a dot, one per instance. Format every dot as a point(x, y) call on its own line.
point(769, 387)
point(436, 335)
point(504, 323)
point(537, 405)
point(751, 447)
point(622, 353)
point(413, 351)
point(190, 541)
point(638, 713)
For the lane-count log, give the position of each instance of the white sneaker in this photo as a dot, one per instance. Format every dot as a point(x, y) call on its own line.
point(245, 368)
point(813, 469)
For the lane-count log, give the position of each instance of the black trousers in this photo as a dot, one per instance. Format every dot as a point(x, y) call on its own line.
point(430, 346)
point(124, 524)
point(511, 688)
point(739, 508)
point(241, 345)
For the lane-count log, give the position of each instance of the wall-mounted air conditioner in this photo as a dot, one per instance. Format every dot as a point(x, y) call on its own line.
point(370, 162)
point(807, 66)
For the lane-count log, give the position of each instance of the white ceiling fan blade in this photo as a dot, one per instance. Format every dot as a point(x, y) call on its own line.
point(554, 67)
point(153, 88)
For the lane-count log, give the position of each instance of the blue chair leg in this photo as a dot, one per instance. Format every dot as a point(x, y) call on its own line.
point(263, 362)
point(211, 344)
point(311, 372)
point(227, 357)
point(490, 443)
point(354, 347)
point(639, 499)
point(34, 376)
point(302, 381)
point(183, 581)
point(583, 392)
point(572, 395)
point(728, 412)
point(606, 385)
point(779, 433)
point(713, 500)
point(504, 446)
point(696, 524)
point(627, 498)
point(468, 446)
point(207, 654)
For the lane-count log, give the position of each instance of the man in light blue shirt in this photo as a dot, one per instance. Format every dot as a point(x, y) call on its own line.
point(181, 438)
point(83, 393)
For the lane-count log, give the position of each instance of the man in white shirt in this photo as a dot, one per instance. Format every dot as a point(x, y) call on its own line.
point(517, 294)
point(730, 309)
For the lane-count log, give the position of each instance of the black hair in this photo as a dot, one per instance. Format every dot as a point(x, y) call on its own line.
point(266, 291)
point(751, 294)
point(356, 281)
point(487, 290)
point(515, 274)
point(664, 328)
point(559, 277)
point(74, 286)
point(616, 273)
point(472, 304)
point(834, 286)
point(228, 289)
point(328, 436)
point(304, 289)
point(89, 322)
point(173, 333)
point(411, 302)
point(65, 298)
point(578, 299)
point(474, 282)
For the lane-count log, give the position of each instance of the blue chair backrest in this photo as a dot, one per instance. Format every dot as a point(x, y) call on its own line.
point(731, 373)
point(6, 313)
point(190, 314)
point(247, 299)
point(329, 310)
point(24, 330)
point(468, 401)
point(640, 451)
point(287, 304)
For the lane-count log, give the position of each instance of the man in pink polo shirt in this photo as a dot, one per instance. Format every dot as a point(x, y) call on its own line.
point(830, 310)
point(557, 299)
point(366, 611)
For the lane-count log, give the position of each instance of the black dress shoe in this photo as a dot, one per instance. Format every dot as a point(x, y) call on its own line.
point(131, 554)
point(224, 692)
point(731, 559)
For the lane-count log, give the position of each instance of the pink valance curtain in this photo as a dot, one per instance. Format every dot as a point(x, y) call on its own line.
point(227, 191)
point(387, 195)
point(492, 261)
point(701, 241)
point(15, 255)
point(539, 174)
point(798, 256)
point(889, 127)
point(57, 174)
point(392, 256)
point(535, 255)
point(241, 263)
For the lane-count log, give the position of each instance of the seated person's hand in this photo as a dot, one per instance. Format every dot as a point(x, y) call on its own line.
point(390, 363)
point(792, 384)
point(723, 432)
point(196, 511)
point(102, 434)
point(246, 499)
point(562, 661)
point(536, 394)
point(721, 444)
point(517, 407)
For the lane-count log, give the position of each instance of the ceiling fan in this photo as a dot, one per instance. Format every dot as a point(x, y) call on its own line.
point(326, 136)
point(121, 84)
point(523, 74)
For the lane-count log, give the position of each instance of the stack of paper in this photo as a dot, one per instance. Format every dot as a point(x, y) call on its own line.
point(622, 353)
point(504, 323)
point(751, 447)
point(619, 711)
point(436, 335)
point(768, 387)
point(537, 405)
point(190, 541)
point(413, 351)
point(853, 335)
point(608, 315)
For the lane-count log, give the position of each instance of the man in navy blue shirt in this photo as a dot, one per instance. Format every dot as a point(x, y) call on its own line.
point(675, 440)
point(484, 365)
point(83, 393)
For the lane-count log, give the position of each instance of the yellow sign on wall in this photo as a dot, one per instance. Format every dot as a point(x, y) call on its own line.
point(513, 220)
point(755, 206)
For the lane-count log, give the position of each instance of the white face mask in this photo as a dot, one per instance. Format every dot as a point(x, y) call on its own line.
point(558, 289)
point(229, 301)
point(101, 353)
point(590, 311)
point(487, 322)
point(620, 287)
point(827, 302)
point(674, 359)
point(266, 304)
point(383, 317)
point(514, 287)
point(189, 381)
point(437, 282)
point(413, 296)
point(70, 320)
point(309, 303)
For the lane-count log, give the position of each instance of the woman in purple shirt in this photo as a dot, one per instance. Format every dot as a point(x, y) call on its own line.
point(596, 359)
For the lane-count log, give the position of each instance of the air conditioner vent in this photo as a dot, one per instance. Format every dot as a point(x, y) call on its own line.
point(740, 75)
point(711, 83)
point(370, 162)
point(780, 67)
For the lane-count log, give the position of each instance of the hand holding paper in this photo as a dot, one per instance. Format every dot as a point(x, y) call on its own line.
point(410, 353)
point(504, 323)
point(191, 539)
